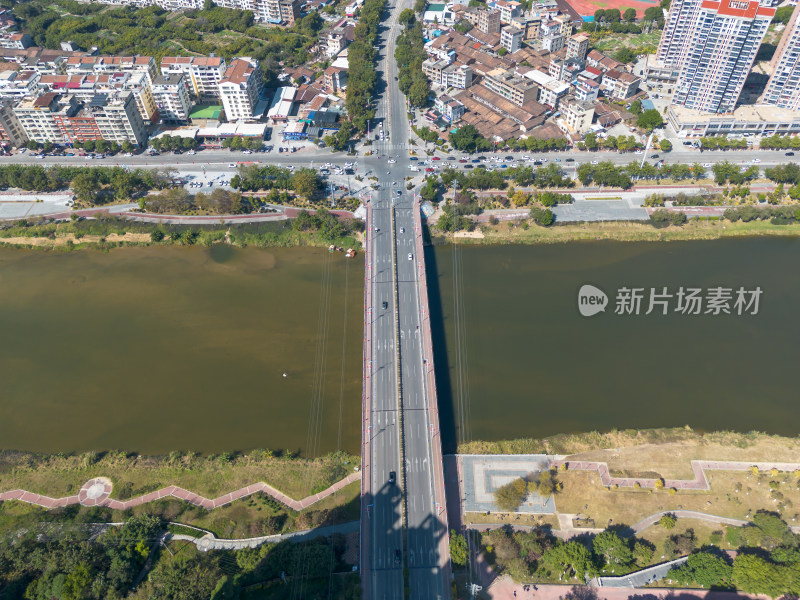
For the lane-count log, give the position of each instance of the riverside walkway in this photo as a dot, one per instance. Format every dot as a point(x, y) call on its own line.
point(97, 492)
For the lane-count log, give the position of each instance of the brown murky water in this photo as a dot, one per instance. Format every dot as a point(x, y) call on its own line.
point(157, 349)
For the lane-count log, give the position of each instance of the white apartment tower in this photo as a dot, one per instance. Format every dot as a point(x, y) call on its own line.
point(202, 75)
point(240, 89)
point(720, 52)
point(677, 31)
point(172, 99)
point(783, 88)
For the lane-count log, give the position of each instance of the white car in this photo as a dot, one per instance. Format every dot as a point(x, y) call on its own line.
point(410, 257)
point(392, 161)
point(247, 152)
point(707, 165)
point(755, 160)
point(190, 153)
point(232, 166)
point(402, 230)
point(638, 152)
point(525, 157)
point(594, 162)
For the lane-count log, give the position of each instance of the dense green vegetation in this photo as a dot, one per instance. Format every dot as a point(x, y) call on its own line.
point(153, 31)
point(778, 142)
point(65, 555)
point(410, 54)
point(252, 178)
point(361, 76)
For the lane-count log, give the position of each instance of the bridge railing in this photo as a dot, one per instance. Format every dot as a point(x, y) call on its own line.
point(366, 410)
point(432, 405)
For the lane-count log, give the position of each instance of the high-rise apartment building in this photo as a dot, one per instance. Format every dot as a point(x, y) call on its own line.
point(783, 88)
point(240, 88)
point(202, 74)
point(721, 49)
point(677, 31)
point(172, 99)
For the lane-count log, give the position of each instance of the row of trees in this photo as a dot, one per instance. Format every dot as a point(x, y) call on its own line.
point(410, 54)
point(124, 183)
point(777, 142)
point(608, 174)
point(623, 143)
point(170, 143)
point(537, 555)
point(361, 77)
point(252, 178)
point(178, 201)
point(723, 143)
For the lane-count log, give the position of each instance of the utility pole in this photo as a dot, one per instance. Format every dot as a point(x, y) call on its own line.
point(646, 149)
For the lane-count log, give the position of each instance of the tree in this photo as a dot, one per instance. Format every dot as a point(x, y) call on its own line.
point(636, 107)
point(458, 549)
point(127, 146)
point(502, 51)
point(643, 551)
point(783, 14)
point(612, 548)
point(545, 218)
point(703, 568)
point(599, 14)
point(467, 139)
point(305, 182)
point(629, 15)
point(509, 496)
point(571, 556)
point(624, 55)
point(612, 15)
point(32, 145)
point(668, 521)
point(756, 575)
point(665, 145)
point(406, 17)
point(650, 119)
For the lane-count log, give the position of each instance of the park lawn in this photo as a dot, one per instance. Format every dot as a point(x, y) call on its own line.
point(584, 494)
point(508, 519)
point(614, 41)
point(627, 231)
point(58, 476)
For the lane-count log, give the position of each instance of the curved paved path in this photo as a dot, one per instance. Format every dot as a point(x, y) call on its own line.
point(97, 491)
point(687, 514)
point(699, 467)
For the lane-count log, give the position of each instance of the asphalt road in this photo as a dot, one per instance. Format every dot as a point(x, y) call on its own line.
point(419, 552)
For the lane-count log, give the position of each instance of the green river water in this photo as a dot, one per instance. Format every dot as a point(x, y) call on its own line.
point(164, 348)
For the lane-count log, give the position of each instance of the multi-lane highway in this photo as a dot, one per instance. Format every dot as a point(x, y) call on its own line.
point(403, 527)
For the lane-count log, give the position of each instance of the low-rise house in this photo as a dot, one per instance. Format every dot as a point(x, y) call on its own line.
point(620, 85)
point(451, 109)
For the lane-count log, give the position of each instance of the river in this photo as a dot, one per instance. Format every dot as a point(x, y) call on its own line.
point(158, 349)
point(535, 367)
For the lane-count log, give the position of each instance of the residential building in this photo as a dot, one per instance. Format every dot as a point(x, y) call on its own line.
point(18, 41)
point(551, 90)
point(511, 38)
point(438, 14)
point(53, 118)
point(578, 46)
point(587, 90)
point(553, 43)
point(620, 85)
point(451, 110)
point(509, 9)
point(240, 89)
point(678, 27)
point(18, 84)
point(533, 29)
point(565, 25)
point(783, 88)
point(457, 75)
point(284, 12)
point(598, 60)
point(202, 75)
point(485, 20)
point(281, 106)
point(334, 41)
point(518, 90)
point(721, 51)
point(172, 99)
point(11, 132)
point(138, 84)
point(112, 64)
point(334, 79)
point(576, 115)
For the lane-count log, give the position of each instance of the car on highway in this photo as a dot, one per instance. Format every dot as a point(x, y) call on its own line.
point(509, 158)
point(755, 160)
point(385, 304)
point(413, 158)
point(476, 160)
point(468, 166)
point(392, 477)
point(557, 160)
point(654, 156)
point(462, 160)
point(789, 154)
point(594, 162)
point(232, 166)
point(707, 165)
point(402, 230)
point(569, 160)
point(410, 256)
point(392, 161)
point(399, 193)
point(436, 158)
point(451, 158)
point(428, 169)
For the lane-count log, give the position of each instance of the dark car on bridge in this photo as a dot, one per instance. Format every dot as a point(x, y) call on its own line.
point(392, 474)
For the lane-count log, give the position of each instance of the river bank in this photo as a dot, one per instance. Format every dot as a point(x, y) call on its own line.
point(621, 231)
point(105, 232)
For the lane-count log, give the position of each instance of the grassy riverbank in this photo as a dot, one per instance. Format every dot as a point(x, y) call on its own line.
point(622, 231)
point(133, 475)
point(636, 452)
point(107, 232)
